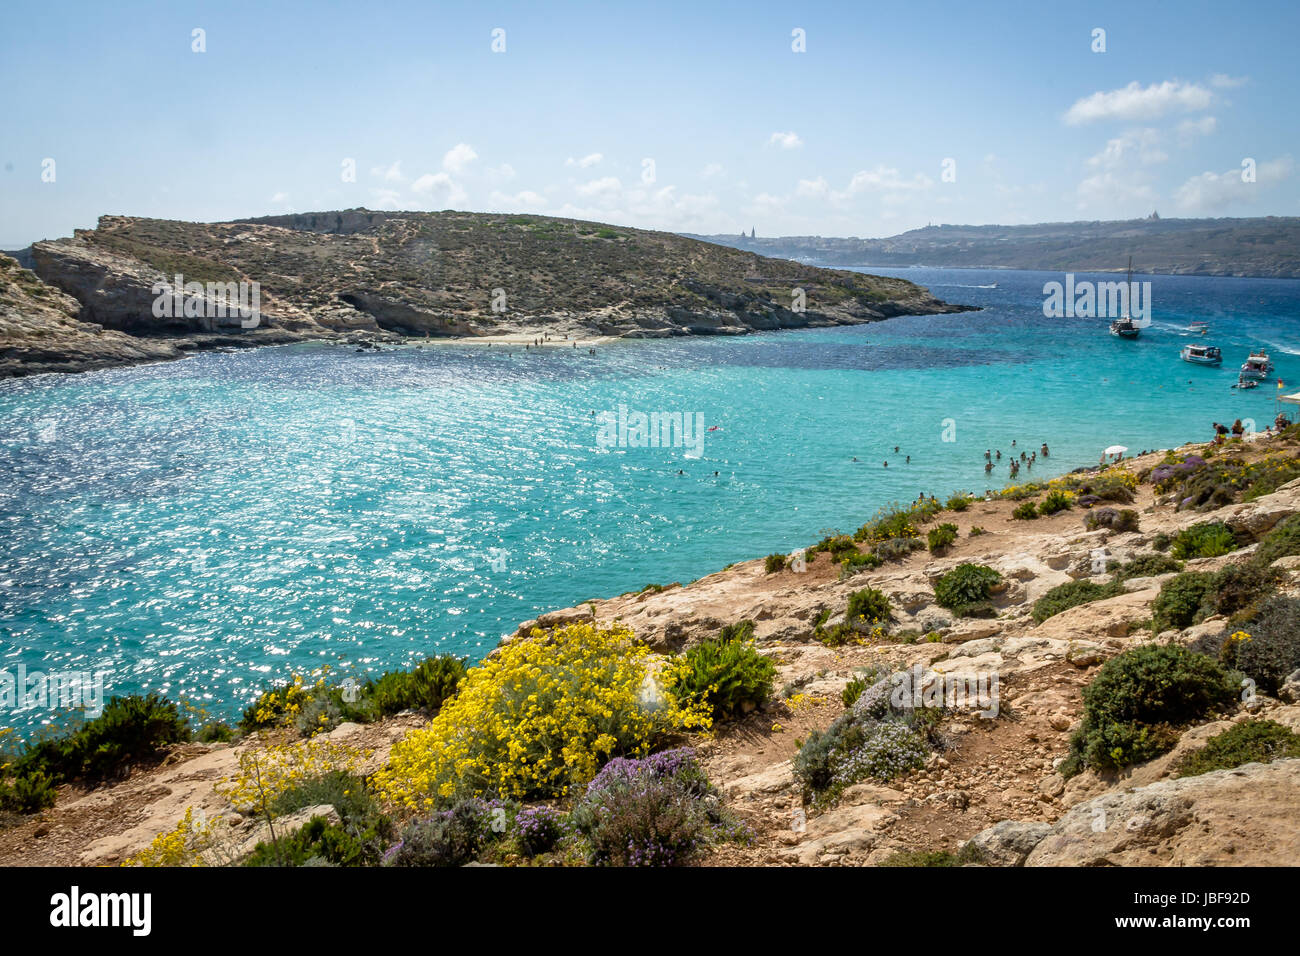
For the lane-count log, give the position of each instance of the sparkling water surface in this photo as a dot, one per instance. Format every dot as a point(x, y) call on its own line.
point(204, 527)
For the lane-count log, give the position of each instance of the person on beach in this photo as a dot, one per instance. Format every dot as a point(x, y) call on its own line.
point(1237, 428)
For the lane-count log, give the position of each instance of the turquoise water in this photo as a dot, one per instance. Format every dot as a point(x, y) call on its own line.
point(201, 528)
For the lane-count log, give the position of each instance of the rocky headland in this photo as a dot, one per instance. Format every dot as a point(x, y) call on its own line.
point(363, 276)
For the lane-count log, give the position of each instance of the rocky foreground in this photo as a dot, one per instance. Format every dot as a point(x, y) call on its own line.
point(997, 786)
point(364, 276)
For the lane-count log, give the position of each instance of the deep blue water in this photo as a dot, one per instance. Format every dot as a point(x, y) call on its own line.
point(203, 527)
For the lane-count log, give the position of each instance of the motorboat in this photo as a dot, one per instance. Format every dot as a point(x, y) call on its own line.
point(1202, 355)
point(1257, 366)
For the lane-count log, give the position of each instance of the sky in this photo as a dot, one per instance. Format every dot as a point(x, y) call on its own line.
point(837, 119)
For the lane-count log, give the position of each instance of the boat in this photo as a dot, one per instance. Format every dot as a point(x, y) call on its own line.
point(1198, 328)
point(1257, 366)
point(1202, 355)
point(1246, 383)
point(1124, 327)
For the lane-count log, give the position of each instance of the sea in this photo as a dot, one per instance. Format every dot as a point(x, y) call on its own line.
point(205, 528)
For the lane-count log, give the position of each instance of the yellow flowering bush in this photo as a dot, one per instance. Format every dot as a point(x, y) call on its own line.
point(183, 846)
point(538, 719)
point(280, 706)
point(266, 774)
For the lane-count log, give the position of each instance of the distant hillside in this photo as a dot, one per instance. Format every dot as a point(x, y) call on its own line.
point(1267, 247)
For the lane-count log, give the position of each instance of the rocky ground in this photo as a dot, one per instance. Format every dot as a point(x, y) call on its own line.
point(996, 781)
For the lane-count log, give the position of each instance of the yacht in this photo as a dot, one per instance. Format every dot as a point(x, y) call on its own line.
point(1202, 355)
point(1124, 327)
point(1257, 366)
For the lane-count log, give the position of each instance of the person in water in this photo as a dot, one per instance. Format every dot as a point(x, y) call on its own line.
point(909, 460)
point(988, 466)
point(1044, 449)
point(999, 454)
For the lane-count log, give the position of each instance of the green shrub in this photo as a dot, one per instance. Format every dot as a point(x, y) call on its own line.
point(28, 792)
point(1271, 653)
point(317, 842)
point(1136, 700)
point(130, 730)
point(959, 502)
point(774, 563)
point(1251, 741)
point(941, 538)
point(1025, 512)
point(855, 747)
point(360, 814)
point(1237, 588)
point(729, 675)
point(1146, 566)
point(739, 631)
point(858, 561)
point(1162, 541)
point(1179, 602)
point(868, 607)
point(892, 522)
point(968, 854)
point(1071, 594)
point(896, 549)
point(1116, 519)
point(1207, 539)
point(966, 589)
point(1053, 502)
point(975, 532)
point(425, 687)
point(1282, 541)
point(218, 731)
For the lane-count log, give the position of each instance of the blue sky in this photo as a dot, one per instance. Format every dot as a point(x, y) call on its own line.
point(847, 138)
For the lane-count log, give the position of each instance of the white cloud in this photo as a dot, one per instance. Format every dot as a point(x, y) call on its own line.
point(606, 188)
point(280, 198)
point(458, 157)
point(1211, 193)
point(441, 186)
point(885, 178)
point(1140, 145)
point(1115, 194)
point(813, 188)
point(711, 170)
point(1136, 102)
point(1189, 130)
point(500, 174)
point(586, 162)
point(1225, 82)
point(524, 198)
point(387, 198)
point(785, 140)
point(389, 174)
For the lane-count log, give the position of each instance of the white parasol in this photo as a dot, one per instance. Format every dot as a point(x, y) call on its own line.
point(1116, 450)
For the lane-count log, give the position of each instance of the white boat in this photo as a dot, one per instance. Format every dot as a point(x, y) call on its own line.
point(1257, 366)
point(1124, 327)
point(1202, 355)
